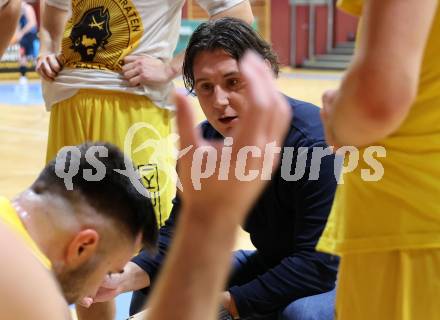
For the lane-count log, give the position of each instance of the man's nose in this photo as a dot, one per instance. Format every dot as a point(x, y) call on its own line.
point(221, 97)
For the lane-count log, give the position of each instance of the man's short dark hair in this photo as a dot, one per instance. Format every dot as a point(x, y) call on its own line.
point(231, 35)
point(114, 196)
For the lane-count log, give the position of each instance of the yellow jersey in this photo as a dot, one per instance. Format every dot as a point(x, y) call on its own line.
point(402, 210)
point(10, 218)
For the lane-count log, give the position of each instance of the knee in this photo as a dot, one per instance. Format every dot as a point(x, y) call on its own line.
point(317, 307)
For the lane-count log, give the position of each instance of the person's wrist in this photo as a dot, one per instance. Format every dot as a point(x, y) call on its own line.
point(133, 278)
point(124, 283)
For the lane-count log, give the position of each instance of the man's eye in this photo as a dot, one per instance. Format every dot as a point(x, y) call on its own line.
point(234, 83)
point(205, 87)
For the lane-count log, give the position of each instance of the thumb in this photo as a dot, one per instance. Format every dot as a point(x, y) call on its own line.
point(86, 302)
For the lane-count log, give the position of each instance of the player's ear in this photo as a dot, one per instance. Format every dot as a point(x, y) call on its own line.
point(82, 247)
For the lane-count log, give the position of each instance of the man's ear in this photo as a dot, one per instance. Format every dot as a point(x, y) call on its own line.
point(82, 247)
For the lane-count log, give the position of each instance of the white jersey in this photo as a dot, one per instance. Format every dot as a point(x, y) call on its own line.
point(101, 33)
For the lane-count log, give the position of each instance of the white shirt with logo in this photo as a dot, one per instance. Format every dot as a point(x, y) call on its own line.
point(100, 33)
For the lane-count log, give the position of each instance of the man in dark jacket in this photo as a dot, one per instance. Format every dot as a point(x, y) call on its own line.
point(284, 277)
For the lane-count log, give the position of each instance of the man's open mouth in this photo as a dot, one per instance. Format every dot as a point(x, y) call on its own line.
point(226, 120)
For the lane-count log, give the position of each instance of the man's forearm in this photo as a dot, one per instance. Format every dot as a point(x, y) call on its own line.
point(53, 21)
point(191, 286)
point(241, 11)
point(362, 116)
point(49, 43)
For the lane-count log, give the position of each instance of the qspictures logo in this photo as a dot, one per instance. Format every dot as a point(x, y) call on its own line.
point(207, 161)
point(100, 34)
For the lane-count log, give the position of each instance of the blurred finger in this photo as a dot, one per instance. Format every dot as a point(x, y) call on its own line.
point(328, 98)
point(130, 73)
point(327, 131)
point(127, 66)
point(54, 64)
point(135, 81)
point(85, 302)
point(261, 83)
point(40, 71)
point(269, 109)
point(130, 58)
point(47, 70)
point(185, 120)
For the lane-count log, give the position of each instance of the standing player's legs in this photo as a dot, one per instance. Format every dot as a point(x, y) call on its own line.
point(391, 285)
point(26, 50)
point(131, 122)
point(135, 125)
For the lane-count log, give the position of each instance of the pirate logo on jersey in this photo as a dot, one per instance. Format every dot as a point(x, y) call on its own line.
point(100, 34)
point(91, 33)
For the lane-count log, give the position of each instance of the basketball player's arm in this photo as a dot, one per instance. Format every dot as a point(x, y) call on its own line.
point(28, 290)
point(53, 21)
point(9, 13)
point(146, 70)
point(381, 84)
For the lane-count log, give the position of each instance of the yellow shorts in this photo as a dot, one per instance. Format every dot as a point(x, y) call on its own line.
point(131, 122)
point(393, 285)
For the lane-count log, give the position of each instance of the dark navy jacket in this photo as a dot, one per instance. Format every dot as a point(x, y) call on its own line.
point(284, 225)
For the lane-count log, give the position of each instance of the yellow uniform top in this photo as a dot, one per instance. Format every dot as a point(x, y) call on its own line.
point(402, 210)
point(10, 218)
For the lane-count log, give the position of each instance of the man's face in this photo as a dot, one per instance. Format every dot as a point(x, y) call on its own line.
point(220, 89)
point(85, 280)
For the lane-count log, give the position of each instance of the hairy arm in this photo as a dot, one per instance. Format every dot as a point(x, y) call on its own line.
point(381, 84)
